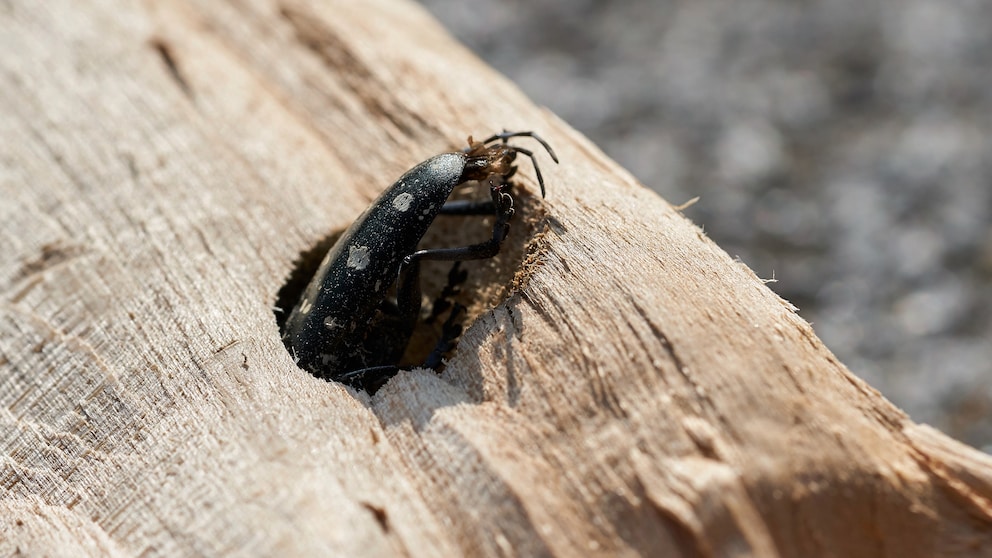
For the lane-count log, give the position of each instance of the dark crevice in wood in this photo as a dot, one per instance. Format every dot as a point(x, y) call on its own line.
point(169, 60)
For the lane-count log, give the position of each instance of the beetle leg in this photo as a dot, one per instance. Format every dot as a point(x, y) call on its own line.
point(450, 331)
point(506, 135)
point(474, 207)
point(374, 377)
point(479, 251)
point(468, 207)
point(369, 379)
point(408, 297)
point(504, 205)
point(537, 168)
point(445, 300)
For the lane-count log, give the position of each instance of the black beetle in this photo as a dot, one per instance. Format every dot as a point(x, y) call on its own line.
point(328, 332)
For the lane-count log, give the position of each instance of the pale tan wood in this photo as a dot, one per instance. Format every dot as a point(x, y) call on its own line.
point(163, 164)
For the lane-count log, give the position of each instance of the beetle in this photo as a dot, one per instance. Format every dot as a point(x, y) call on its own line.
point(345, 328)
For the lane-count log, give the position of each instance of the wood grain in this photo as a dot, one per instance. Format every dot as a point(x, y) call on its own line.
point(623, 387)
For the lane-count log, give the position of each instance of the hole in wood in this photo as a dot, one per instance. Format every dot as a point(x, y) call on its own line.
point(486, 282)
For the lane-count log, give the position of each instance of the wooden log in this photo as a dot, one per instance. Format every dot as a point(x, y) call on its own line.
point(623, 386)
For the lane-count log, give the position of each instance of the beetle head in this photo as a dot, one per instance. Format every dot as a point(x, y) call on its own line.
point(484, 161)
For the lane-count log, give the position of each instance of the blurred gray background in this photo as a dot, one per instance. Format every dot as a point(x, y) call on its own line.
point(839, 146)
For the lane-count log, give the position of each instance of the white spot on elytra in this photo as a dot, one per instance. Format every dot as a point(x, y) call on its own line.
point(378, 284)
point(402, 201)
point(331, 324)
point(358, 257)
point(305, 306)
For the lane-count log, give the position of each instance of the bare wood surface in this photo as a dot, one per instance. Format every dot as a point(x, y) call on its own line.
point(637, 391)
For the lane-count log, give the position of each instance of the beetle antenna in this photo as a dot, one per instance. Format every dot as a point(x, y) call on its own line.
point(537, 169)
point(505, 135)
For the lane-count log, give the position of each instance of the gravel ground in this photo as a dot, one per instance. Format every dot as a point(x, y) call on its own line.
point(841, 146)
